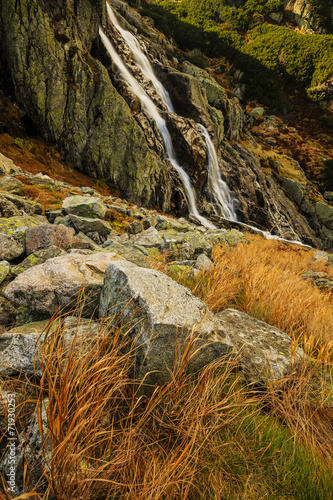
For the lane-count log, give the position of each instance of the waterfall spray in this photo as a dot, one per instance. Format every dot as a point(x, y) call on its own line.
point(150, 107)
point(141, 59)
point(218, 189)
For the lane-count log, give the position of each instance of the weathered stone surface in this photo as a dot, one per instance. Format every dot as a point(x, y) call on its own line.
point(87, 225)
point(12, 236)
point(46, 235)
point(325, 214)
point(58, 283)
point(7, 314)
point(264, 350)
point(257, 112)
point(293, 189)
point(328, 195)
point(4, 270)
point(137, 255)
point(38, 257)
point(84, 206)
point(9, 183)
point(135, 227)
point(21, 347)
point(185, 246)
point(163, 315)
point(203, 263)
point(82, 241)
point(148, 238)
point(7, 166)
point(26, 207)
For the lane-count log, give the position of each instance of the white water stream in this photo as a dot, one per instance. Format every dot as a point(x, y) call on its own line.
point(141, 59)
point(217, 188)
point(150, 107)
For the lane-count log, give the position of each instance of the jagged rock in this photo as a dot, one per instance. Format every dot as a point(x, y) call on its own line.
point(84, 206)
point(9, 183)
point(135, 227)
point(203, 263)
point(148, 238)
point(38, 257)
point(31, 449)
point(22, 205)
point(52, 215)
point(162, 315)
point(7, 208)
point(12, 235)
point(328, 195)
point(265, 351)
point(82, 241)
point(87, 225)
point(65, 221)
point(4, 270)
point(7, 166)
point(325, 214)
point(293, 189)
point(148, 222)
point(47, 235)
point(185, 246)
point(59, 282)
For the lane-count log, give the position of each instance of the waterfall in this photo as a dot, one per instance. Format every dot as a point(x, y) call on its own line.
point(152, 110)
point(141, 60)
point(218, 189)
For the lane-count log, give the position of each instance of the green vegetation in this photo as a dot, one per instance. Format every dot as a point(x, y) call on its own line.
point(271, 57)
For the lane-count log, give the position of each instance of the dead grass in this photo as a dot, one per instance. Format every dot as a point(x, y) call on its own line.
point(263, 279)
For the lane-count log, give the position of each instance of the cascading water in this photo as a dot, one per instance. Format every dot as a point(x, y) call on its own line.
point(150, 107)
point(218, 189)
point(140, 58)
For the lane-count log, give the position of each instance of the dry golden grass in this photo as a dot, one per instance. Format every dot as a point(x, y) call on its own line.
point(263, 279)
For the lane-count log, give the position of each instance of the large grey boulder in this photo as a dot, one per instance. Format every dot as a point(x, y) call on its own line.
point(59, 282)
point(265, 351)
point(12, 235)
point(162, 316)
point(84, 206)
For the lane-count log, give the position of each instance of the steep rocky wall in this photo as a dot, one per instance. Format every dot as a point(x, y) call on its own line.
point(69, 96)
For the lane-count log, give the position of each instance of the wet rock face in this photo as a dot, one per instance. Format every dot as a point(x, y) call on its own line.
point(69, 96)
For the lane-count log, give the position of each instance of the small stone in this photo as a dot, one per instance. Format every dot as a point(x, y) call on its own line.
point(135, 227)
point(148, 238)
point(203, 263)
point(257, 112)
point(328, 195)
